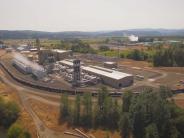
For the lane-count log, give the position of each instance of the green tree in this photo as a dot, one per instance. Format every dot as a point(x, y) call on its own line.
point(102, 95)
point(16, 131)
point(104, 48)
point(151, 131)
point(113, 114)
point(64, 107)
point(76, 114)
point(87, 111)
point(125, 126)
point(81, 47)
point(127, 97)
point(165, 92)
point(102, 107)
point(9, 113)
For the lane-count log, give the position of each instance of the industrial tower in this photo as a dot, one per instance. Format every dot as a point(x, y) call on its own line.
point(76, 73)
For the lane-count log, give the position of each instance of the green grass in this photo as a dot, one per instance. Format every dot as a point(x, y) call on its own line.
point(114, 53)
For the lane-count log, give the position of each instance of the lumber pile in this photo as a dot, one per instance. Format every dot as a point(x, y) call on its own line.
point(79, 134)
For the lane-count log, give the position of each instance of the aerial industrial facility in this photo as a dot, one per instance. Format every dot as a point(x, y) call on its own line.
point(73, 71)
point(110, 77)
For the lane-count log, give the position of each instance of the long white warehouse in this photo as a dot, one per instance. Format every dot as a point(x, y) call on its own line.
point(110, 77)
point(113, 78)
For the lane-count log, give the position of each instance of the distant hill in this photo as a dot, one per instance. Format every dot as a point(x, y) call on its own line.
point(28, 34)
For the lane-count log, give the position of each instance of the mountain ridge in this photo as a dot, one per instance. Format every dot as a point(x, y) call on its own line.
point(28, 34)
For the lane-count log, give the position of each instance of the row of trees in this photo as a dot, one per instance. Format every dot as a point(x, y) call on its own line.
point(75, 45)
point(168, 57)
point(138, 55)
point(81, 47)
point(147, 115)
point(9, 113)
point(84, 112)
point(173, 56)
point(104, 48)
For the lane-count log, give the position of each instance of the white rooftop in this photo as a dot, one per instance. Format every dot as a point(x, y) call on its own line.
point(108, 62)
point(106, 72)
point(100, 70)
point(60, 51)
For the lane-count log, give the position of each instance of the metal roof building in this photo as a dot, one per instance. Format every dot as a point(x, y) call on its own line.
point(113, 78)
point(110, 77)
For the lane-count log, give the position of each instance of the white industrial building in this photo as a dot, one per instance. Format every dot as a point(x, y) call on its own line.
point(110, 77)
point(28, 67)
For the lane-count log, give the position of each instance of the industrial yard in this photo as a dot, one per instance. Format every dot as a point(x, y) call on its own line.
point(50, 65)
point(39, 75)
point(91, 69)
point(65, 70)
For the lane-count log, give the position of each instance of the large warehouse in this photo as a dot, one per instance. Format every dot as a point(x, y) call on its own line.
point(110, 77)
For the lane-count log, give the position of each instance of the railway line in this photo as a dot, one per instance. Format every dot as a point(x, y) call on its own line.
point(60, 90)
point(48, 88)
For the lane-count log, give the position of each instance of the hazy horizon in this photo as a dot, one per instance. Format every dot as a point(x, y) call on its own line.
point(87, 15)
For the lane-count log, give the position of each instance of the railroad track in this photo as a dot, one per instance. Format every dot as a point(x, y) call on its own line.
point(49, 88)
point(60, 90)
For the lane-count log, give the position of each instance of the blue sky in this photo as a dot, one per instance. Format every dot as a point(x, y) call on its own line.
point(90, 15)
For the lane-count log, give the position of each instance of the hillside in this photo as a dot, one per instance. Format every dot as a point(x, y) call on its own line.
point(28, 34)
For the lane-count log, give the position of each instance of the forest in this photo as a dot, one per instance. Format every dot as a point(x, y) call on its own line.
point(150, 114)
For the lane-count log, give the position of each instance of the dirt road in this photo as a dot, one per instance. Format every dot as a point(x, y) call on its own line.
point(25, 95)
